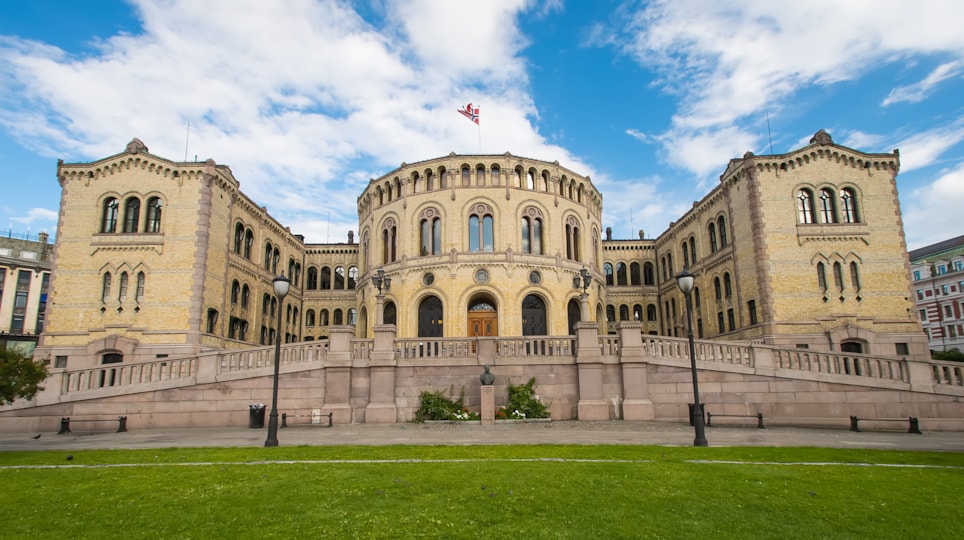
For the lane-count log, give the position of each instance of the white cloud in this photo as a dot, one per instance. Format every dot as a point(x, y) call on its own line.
point(923, 149)
point(293, 95)
point(935, 210)
point(914, 93)
point(40, 216)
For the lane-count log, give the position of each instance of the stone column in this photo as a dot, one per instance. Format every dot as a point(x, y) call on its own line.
point(591, 405)
point(381, 403)
point(338, 374)
point(636, 402)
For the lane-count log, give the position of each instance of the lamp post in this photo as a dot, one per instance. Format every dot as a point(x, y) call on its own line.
point(582, 281)
point(380, 281)
point(281, 285)
point(685, 281)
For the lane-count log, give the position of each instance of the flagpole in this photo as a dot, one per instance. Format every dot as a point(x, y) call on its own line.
point(480, 137)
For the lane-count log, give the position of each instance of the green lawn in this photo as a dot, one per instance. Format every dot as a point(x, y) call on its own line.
point(491, 491)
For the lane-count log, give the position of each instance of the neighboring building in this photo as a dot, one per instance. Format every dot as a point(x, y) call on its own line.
point(24, 279)
point(938, 281)
point(155, 257)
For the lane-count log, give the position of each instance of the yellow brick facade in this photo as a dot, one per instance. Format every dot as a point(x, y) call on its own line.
point(490, 239)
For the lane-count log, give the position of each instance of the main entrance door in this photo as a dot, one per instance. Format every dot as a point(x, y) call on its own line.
point(483, 320)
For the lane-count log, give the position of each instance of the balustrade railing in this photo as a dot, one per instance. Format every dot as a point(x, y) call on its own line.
point(948, 373)
point(609, 345)
point(536, 346)
point(435, 348)
point(110, 375)
point(841, 364)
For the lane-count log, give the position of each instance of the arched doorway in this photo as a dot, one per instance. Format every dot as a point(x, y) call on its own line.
point(533, 316)
point(852, 347)
point(391, 313)
point(430, 317)
point(575, 312)
point(483, 317)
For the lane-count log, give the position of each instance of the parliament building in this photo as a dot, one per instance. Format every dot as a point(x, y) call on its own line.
point(156, 258)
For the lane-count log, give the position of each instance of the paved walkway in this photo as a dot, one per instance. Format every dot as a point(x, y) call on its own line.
point(560, 432)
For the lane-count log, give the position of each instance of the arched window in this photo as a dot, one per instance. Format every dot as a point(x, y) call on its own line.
point(325, 283)
point(481, 228)
point(721, 223)
point(854, 277)
point(838, 276)
point(105, 287)
point(611, 313)
point(238, 237)
point(480, 176)
point(275, 257)
point(245, 296)
point(265, 303)
point(696, 298)
point(621, 274)
point(717, 289)
point(648, 274)
point(267, 255)
point(312, 278)
point(624, 312)
point(352, 317)
point(139, 293)
point(496, 175)
point(574, 313)
point(153, 224)
point(132, 214)
point(430, 317)
point(431, 232)
point(339, 278)
point(530, 182)
point(429, 180)
point(651, 312)
point(573, 239)
point(828, 212)
point(336, 317)
point(235, 291)
point(323, 317)
point(517, 178)
point(822, 276)
point(110, 216)
point(310, 317)
point(692, 250)
point(634, 274)
point(727, 285)
point(848, 206)
point(466, 176)
point(390, 314)
point(711, 230)
point(248, 243)
point(663, 263)
point(532, 231)
point(122, 290)
point(686, 255)
point(533, 316)
point(352, 276)
point(669, 262)
point(608, 272)
point(805, 206)
point(637, 312)
point(389, 241)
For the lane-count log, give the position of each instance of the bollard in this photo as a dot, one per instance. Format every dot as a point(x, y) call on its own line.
point(64, 426)
point(121, 424)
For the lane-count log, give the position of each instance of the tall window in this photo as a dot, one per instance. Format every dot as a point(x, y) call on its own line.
point(496, 175)
point(267, 255)
point(245, 296)
point(848, 206)
point(248, 243)
point(481, 228)
point(122, 290)
point(310, 317)
point(751, 309)
point(727, 285)
point(389, 241)
point(480, 176)
point(352, 276)
point(822, 276)
point(235, 291)
point(634, 274)
point(139, 294)
point(212, 322)
point(721, 223)
point(855, 277)
point(110, 216)
point(608, 272)
point(153, 224)
point(532, 231)
point(717, 289)
point(238, 237)
point(711, 229)
point(686, 255)
point(431, 232)
point(339, 278)
point(621, 273)
point(805, 206)
point(312, 278)
point(105, 288)
point(573, 239)
point(132, 214)
point(692, 250)
point(828, 213)
point(648, 274)
point(838, 276)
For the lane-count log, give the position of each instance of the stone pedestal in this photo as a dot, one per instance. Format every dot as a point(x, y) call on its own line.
point(381, 407)
point(488, 405)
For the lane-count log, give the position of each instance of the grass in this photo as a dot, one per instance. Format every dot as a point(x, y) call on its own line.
point(493, 491)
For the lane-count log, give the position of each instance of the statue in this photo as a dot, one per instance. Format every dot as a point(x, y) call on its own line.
point(486, 377)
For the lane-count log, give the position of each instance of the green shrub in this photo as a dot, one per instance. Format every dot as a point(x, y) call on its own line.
point(523, 402)
point(439, 406)
point(952, 354)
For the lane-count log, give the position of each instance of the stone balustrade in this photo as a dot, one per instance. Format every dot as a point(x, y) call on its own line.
point(115, 375)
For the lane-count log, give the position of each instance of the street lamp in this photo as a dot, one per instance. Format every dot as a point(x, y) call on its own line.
point(582, 281)
point(380, 280)
point(685, 282)
point(281, 285)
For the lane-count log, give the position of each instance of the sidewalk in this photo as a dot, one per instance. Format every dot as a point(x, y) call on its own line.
point(560, 432)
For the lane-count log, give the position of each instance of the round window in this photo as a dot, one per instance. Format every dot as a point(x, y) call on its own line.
point(428, 278)
point(482, 275)
point(535, 278)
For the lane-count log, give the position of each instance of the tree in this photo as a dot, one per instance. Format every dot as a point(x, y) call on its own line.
point(20, 377)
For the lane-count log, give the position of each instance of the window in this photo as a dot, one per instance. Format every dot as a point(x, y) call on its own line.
point(42, 307)
point(122, 290)
point(323, 317)
point(731, 319)
point(132, 214)
point(275, 257)
point(153, 224)
point(838, 276)
point(109, 224)
point(235, 291)
point(621, 273)
point(941, 269)
point(947, 312)
point(245, 296)
point(352, 276)
point(651, 313)
point(336, 317)
point(721, 223)
point(719, 322)
point(751, 309)
point(854, 277)
point(634, 274)
point(312, 278)
point(848, 206)
point(480, 176)
point(805, 206)
point(717, 289)
point(828, 213)
point(648, 274)
point(212, 321)
point(339, 278)
point(431, 231)
point(481, 228)
point(572, 239)
point(310, 317)
point(265, 303)
point(727, 285)
point(496, 175)
point(692, 249)
point(822, 276)
point(944, 290)
point(139, 293)
point(916, 275)
point(958, 266)
point(325, 282)
point(686, 255)
point(105, 288)
point(248, 243)
point(711, 230)
point(624, 312)
point(637, 312)
point(532, 231)
point(611, 313)
point(353, 316)
point(696, 298)
point(267, 256)
point(238, 237)
point(902, 348)
point(920, 294)
point(466, 177)
point(608, 272)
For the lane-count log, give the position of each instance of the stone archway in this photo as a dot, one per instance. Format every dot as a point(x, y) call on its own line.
point(430, 317)
point(482, 317)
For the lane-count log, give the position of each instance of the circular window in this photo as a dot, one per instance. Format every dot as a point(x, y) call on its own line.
point(535, 278)
point(482, 275)
point(428, 279)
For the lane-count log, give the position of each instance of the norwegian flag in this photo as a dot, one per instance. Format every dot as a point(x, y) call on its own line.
point(470, 112)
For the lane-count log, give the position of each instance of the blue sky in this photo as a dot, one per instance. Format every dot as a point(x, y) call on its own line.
point(306, 100)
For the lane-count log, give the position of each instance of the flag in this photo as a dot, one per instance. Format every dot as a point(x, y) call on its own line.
point(470, 112)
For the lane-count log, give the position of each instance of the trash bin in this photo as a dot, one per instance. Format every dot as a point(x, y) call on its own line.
point(691, 405)
point(256, 415)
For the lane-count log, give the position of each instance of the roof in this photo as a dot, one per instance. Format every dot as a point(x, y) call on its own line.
point(933, 251)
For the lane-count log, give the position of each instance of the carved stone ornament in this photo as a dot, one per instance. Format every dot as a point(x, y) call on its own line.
point(532, 212)
point(429, 213)
point(481, 209)
point(822, 138)
point(136, 146)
